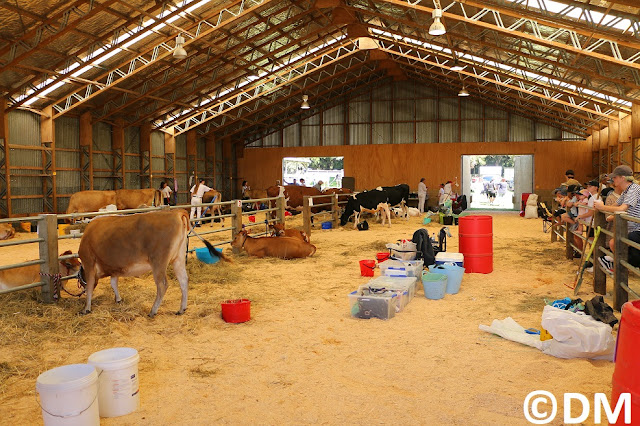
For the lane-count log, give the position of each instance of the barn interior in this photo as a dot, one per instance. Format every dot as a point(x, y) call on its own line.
point(114, 94)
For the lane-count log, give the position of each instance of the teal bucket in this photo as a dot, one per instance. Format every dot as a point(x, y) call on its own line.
point(434, 285)
point(454, 275)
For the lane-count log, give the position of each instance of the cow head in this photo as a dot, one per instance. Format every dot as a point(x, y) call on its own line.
point(239, 239)
point(277, 228)
point(352, 205)
point(69, 266)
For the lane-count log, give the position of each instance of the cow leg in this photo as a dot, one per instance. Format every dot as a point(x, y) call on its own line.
point(180, 269)
point(114, 286)
point(160, 278)
point(356, 220)
point(90, 278)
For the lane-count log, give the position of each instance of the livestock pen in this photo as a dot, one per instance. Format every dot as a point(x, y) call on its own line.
point(302, 356)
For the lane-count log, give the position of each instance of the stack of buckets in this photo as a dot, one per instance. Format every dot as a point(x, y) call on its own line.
point(368, 266)
point(79, 394)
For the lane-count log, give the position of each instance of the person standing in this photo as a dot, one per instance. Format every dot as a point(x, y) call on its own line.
point(166, 193)
point(318, 185)
point(302, 182)
point(245, 189)
point(628, 202)
point(570, 175)
point(197, 191)
point(422, 195)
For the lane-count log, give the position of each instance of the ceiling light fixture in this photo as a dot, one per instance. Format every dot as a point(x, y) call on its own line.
point(457, 66)
point(463, 91)
point(437, 27)
point(179, 52)
point(305, 104)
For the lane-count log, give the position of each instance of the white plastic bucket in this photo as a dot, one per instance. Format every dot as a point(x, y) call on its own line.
point(118, 387)
point(69, 395)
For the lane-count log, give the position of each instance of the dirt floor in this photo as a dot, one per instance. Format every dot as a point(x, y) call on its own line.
point(302, 358)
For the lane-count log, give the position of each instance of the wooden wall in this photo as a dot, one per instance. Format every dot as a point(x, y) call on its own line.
point(374, 165)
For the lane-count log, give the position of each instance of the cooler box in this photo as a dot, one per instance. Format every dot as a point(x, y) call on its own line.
point(365, 304)
point(402, 268)
point(403, 295)
point(449, 258)
point(401, 283)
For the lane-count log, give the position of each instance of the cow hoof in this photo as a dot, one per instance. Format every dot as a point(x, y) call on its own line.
point(151, 315)
point(84, 312)
point(180, 312)
point(119, 301)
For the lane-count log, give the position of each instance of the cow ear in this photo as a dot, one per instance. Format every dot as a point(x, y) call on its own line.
point(66, 253)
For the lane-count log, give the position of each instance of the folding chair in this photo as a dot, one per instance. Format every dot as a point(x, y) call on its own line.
point(546, 216)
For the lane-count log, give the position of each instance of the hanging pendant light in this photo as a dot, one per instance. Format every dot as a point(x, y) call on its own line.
point(305, 104)
point(463, 91)
point(437, 27)
point(457, 66)
point(179, 52)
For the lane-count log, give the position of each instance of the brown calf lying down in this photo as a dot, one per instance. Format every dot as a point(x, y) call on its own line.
point(279, 231)
point(7, 231)
point(282, 247)
point(10, 278)
point(132, 245)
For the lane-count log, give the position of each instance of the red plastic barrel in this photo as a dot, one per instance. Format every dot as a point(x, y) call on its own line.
point(626, 376)
point(236, 311)
point(476, 243)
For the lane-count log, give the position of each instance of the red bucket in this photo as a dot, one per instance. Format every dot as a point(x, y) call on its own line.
point(286, 213)
point(252, 219)
point(626, 376)
point(367, 267)
point(236, 311)
point(382, 256)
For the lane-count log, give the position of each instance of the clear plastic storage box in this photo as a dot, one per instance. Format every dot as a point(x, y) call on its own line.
point(402, 268)
point(396, 283)
point(366, 304)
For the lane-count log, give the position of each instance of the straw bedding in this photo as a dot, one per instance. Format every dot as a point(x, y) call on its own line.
point(302, 358)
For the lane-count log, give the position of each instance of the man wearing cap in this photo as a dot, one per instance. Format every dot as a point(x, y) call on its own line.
point(318, 185)
point(570, 179)
point(628, 202)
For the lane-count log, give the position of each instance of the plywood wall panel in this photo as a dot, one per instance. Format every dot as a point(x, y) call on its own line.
point(374, 165)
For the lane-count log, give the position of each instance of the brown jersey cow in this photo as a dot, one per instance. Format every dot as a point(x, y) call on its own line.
point(282, 247)
point(90, 201)
point(7, 231)
point(132, 245)
point(279, 231)
point(136, 198)
point(16, 277)
point(213, 196)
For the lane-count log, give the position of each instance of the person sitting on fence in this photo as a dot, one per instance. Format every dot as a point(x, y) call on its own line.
point(584, 220)
point(628, 202)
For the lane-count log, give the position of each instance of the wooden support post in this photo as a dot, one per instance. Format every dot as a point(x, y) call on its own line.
point(117, 147)
point(210, 160)
point(228, 178)
point(192, 169)
point(635, 136)
point(48, 143)
point(335, 209)
point(236, 221)
point(48, 231)
point(599, 277)
point(5, 181)
point(306, 214)
point(86, 151)
point(568, 238)
point(170, 157)
point(145, 156)
point(280, 205)
point(620, 251)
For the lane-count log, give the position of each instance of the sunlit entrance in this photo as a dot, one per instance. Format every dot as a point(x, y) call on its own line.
point(497, 181)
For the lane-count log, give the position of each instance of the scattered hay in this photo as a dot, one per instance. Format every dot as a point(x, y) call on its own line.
point(204, 372)
point(377, 246)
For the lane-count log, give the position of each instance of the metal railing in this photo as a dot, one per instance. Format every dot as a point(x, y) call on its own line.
point(619, 233)
point(48, 238)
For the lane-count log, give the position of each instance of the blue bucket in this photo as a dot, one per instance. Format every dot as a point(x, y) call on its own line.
point(434, 285)
point(327, 225)
point(454, 275)
point(203, 255)
point(426, 220)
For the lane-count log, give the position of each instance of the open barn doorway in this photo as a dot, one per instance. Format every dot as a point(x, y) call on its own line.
point(497, 181)
point(325, 171)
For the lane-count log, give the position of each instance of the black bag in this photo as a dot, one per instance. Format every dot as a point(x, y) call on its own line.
point(363, 226)
point(447, 220)
point(423, 246)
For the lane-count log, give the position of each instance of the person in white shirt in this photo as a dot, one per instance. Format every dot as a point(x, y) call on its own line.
point(441, 194)
point(245, 189)
point(422, 195)
point(197, 191)
point(166, 193)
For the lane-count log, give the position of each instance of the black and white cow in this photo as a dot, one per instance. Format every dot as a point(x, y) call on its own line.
point(376, 200)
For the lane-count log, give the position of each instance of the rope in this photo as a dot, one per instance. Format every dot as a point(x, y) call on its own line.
point(56, 283)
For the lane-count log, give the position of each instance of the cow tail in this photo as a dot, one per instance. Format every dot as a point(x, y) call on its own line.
point(157, 198)
point(212, 250)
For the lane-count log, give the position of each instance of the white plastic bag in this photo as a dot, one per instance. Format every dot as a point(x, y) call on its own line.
point(532, 200)
point(577, 335)
point(574, 335)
